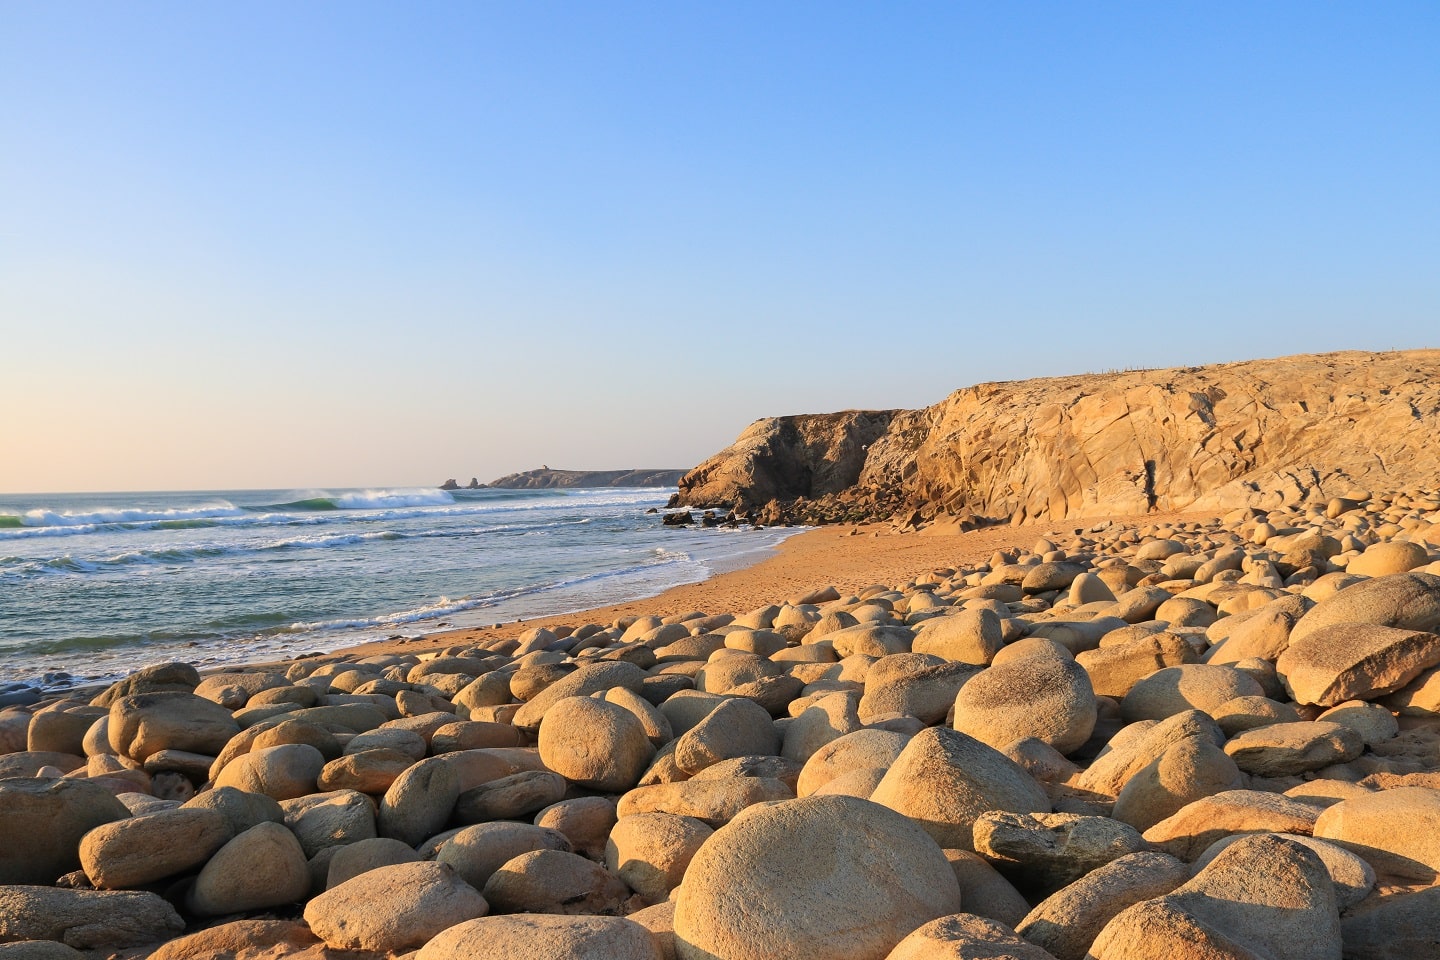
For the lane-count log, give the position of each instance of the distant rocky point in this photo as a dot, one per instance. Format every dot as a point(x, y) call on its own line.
point(1260, 433)
point(546, 478)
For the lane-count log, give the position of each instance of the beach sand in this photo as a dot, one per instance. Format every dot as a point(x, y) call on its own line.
point(811, 560)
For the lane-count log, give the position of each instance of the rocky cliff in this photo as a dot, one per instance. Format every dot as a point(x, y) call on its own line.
point(1257, 433)
point(546, 477)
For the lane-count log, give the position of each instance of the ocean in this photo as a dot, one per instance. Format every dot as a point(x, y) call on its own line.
point(93, 586)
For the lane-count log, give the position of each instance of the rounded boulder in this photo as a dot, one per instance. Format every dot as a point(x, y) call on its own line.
point(1046, 696)
point(393, 908)
point(848, 879)
point(595, 744)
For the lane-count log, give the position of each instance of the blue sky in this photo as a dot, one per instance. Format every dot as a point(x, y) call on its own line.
point(333, 244)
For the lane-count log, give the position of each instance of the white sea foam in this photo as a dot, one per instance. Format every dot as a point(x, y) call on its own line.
point(50, 518)
point(381, 499)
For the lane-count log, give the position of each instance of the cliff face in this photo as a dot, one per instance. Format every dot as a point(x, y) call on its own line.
point(546, 478)
point(785, 458)
point(1259, 433)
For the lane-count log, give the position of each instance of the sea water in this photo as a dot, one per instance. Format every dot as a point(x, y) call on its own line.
point(93, 586)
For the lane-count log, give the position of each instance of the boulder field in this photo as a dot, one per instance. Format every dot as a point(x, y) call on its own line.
point(1205, 738)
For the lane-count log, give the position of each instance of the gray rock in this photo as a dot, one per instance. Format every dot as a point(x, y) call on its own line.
point(86, 919)
point(42, 823)
point(1044, 852)
point(322, 820)
point(477, 851)
point(1400, 928)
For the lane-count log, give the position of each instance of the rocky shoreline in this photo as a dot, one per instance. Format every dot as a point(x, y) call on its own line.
point(1212, 737)
point(1258, 433)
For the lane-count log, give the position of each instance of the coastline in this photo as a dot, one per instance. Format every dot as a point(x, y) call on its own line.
point(810, 560)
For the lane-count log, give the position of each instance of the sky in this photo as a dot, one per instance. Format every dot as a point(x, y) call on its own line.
point(350, 244)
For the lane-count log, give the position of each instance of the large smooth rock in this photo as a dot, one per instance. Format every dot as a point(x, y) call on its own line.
point(144, 849)
point(42, 823)
point(736, 728)
point(915, 685)
point(281, 772)
point(871, 640)
point(1115, 669)
point(476, 852)
point(1191, 686)
point(866, 749)
point(368, 771)
point(854, 879)
point(542, 937)
point(1138, 745)
point(157, 678)
point(1354, 661)
point(1352, 876)
point(241, 940)
point(419, 803)
point(262, 867)
point(1069, 920)
point(944, 780)
point(86, 919)
point(827, 718)
point(1045, 695)
point(1407, 601)
point(650, 851)
point(588, 679)
point(595, 744)
point(967, 636)
point(584, 821)
point(1388, 557)
point(393, 908)
point(39, 950)
point(349, 861)
point(1291, 749)
point(553, 881)
point(240, 809)
point(1397, 831)
point(714, 801)
point(333, 819)
point(1197, 825)
point(1187, 771)
point(510, 798)
point(150, 722)
point(1264, 896)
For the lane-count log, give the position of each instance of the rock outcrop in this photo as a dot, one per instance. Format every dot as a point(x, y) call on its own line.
point(1262, 433)
point(546, 478)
